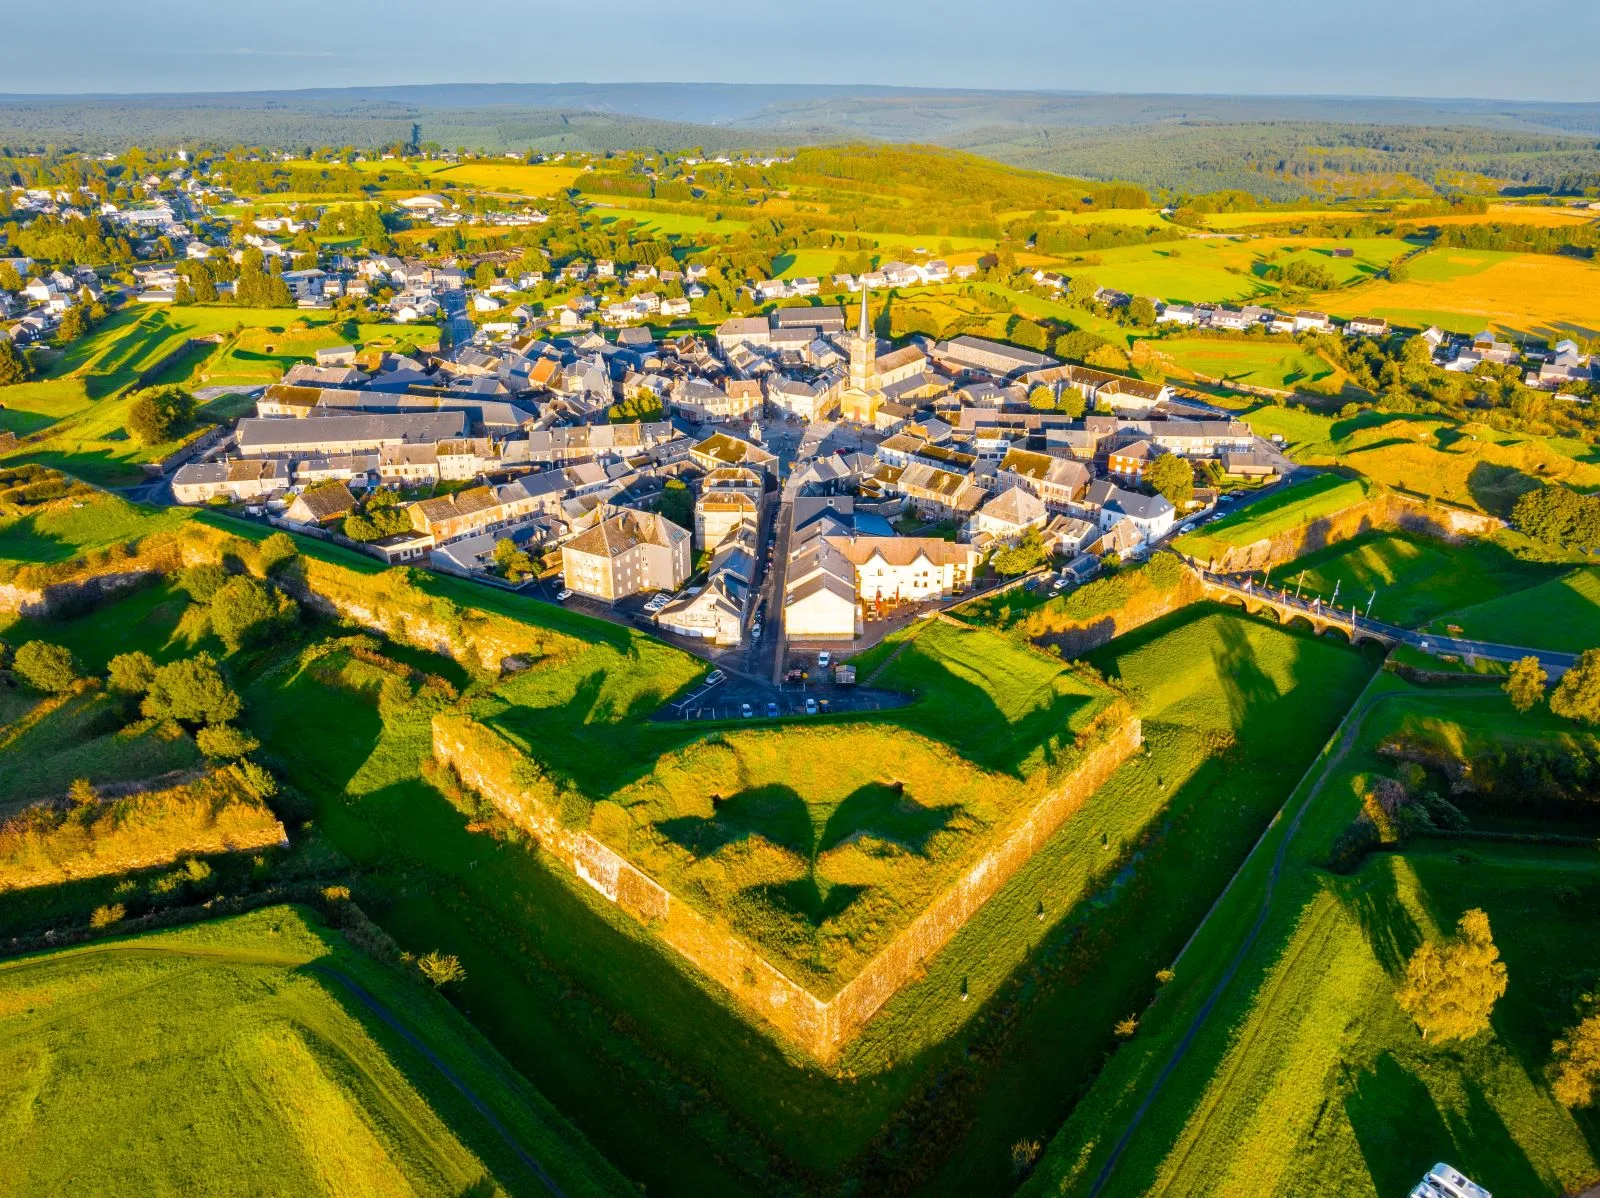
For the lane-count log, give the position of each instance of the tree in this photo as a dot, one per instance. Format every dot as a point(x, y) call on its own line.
point(1141, 312)
point(203, 581)
point(441, 969)
point(159, 413)
point(1559, 516)
point(242, 610)
point(1173, 478)
point(1073, 402)
point(1042, 399)
point(192, 690)
point(81, 793)
point(131, 673)
point(224, 742)
point(512, 562)
point(1525, 684)
point(277, 551)
point(1575, 1068)
point(1577, 695)
point(1451, 985)
point(1027, 554)
point(45, 667)
point(676, 503)
point(14, 365)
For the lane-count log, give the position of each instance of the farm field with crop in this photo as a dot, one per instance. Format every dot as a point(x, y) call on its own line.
point(196, 1058)
point(1414, 578)
point(1466, 291)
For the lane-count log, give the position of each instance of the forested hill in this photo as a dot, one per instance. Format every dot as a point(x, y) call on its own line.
point(1274, 147)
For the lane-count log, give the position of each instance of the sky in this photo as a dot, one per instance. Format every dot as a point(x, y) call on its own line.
point(1529, 49)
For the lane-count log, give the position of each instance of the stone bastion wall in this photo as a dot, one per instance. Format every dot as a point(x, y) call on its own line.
point(487, 763)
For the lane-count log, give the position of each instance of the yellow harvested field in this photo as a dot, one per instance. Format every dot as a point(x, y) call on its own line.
point(1519, 214)
point(534, 179)
point(1536, 293)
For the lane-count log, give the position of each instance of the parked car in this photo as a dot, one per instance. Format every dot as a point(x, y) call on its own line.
point(772, 711)
point(563, 595)
point(811, 707)
point(745, 711)
point(824, 660)
point(823, 704)
point(715, 677)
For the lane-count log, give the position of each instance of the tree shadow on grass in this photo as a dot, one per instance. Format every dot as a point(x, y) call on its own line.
point(1245, 684)
point(1374, 900)
point(1397, 1126)
point(1496, 489)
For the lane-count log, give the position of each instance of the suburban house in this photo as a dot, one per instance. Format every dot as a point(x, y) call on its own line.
point(200, 482)
point(724, 449)
point(940, 494)
point(326, 504)
point(905, 569)
point(1151, 515)
point(717, 612)
point(627, 553)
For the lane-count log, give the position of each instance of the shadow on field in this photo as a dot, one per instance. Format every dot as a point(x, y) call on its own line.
point(1245, 684)
point(1496, 489)
point(1391, 932)
point(1397, 1125)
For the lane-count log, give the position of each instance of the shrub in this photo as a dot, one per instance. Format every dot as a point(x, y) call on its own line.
point(202, 582)
point(277, 551)
point(441, 969)
point(45, 667)
point(1575, 1069)
point(81, 792)
point(192, 690)
point(105, 916)
point(224, 742)
point(131, 673)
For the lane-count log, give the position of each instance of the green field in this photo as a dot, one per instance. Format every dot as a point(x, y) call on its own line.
point(1562, 614)
point(62, 530)
point(1280, 365)
point(76, 419)
point(1231, 269)
point(1409, 579)
point(239, 1054)
point(1296, 505)
point(1306, 1078)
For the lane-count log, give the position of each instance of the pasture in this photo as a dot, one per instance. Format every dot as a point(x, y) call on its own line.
point(1230, 269)
point(68, 528)
point(192, 1060)
point(1411, 578)
point(1280, 365)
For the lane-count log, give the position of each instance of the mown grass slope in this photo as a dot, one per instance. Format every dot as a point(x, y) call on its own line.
point(238, 1055)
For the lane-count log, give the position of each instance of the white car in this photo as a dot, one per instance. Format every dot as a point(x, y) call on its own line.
point(563, 595)
point(715, 677)
point(811, 707)
point(824, 660)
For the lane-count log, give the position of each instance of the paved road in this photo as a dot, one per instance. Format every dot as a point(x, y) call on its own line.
point(1554, 663)
point(1317, 773)
point(462, 330)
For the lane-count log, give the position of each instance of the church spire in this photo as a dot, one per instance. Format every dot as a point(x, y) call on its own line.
point(862, 331)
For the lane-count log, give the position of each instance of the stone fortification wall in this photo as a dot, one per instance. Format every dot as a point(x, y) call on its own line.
point(490, 765)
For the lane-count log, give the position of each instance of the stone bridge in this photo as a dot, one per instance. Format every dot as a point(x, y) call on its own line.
point(1285, 607)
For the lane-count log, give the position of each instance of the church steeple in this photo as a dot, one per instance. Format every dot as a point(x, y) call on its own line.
point(861, 332)
point(864, 352)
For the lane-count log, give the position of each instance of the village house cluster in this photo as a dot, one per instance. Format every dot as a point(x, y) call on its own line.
point(515, 442)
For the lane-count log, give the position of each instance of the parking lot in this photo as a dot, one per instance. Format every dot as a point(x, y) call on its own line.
point(739, 697)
